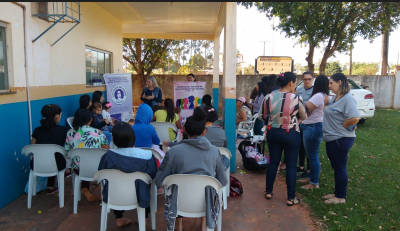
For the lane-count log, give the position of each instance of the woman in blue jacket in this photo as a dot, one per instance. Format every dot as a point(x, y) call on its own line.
point(147, 135)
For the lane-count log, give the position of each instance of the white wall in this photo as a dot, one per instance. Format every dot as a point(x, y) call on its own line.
point(63, 63)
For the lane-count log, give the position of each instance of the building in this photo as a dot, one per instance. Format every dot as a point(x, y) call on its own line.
point(35, 71)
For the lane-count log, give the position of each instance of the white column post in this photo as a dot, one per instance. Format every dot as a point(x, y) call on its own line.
point(229, 80)
point(216, 74)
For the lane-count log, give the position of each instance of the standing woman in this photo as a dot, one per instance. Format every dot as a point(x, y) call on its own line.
point(341, 115)
point(51, 133)
point(261, 89)
point(283, 108)
point(167, 114)
point(151, 94)
point(191, 78)
point(312, 130)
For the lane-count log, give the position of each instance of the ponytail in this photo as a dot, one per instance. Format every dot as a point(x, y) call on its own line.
point(48, 113)
point(169, 107)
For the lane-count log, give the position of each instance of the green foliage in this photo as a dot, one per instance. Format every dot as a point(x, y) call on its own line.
point(331, 25)
point(197, 62)
point(365, 68)
point(249, 70)
point(299, 67)
point(373, 186)
point(332, 68)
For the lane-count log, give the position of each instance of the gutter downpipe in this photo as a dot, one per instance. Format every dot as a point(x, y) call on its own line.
point(26, 69)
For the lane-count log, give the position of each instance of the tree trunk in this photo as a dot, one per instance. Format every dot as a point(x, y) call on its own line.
point(310, 58)
point(385, 51)
point(351, 61)
point(138, 43)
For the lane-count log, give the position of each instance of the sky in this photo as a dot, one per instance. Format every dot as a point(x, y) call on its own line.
point(253, 27)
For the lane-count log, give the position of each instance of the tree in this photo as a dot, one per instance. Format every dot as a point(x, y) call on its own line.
point(146, 54)
point(197, 62)
point(333, 67)
point(331, 25)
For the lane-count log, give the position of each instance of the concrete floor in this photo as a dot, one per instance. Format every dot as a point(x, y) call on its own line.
point(248, 212)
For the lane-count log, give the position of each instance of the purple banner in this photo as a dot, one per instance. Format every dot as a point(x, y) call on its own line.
point(119, 93)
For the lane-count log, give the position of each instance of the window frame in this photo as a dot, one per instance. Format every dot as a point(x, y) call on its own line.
point(87, 47)
point(7, 61)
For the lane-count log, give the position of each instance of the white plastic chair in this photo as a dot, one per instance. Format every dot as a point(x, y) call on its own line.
point(191, 194)
point(250, 123)
point(153, 184)
point(88, 166)
point(162, 129)
point(226, 188)
point(122, 195)
point(44, 164)
point(70, 120)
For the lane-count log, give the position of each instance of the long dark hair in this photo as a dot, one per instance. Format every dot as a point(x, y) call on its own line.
point(169, 107)
point(211, 114)
point(261, 88)
point(81, 117)
point(271, 83)
point(96, 97)
point(206, 100)
point(84, 101)
point(48, 113)
point(321, 85)
point(196, 124)
point(286, 79)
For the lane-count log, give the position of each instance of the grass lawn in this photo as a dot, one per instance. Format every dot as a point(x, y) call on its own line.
point(373, 196)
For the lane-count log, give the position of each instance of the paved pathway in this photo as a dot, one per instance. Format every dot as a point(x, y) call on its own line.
point(248, 212)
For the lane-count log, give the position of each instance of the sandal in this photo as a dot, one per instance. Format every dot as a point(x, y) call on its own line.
point(329, 196)
point(294, 201)
point(268, 197)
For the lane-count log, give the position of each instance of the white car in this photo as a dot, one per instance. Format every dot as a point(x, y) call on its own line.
point(364, 99)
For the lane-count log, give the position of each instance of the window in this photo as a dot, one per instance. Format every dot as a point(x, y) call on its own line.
point(98, 62)
point(3, 59)
point(354, 85)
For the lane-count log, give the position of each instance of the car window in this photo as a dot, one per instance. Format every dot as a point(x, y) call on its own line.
point(354, 85)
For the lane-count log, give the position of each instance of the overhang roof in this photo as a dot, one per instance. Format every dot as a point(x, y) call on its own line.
point(168, 20)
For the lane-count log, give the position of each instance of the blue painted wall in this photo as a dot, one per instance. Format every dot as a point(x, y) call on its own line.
point(14, 135)
point(230, 129)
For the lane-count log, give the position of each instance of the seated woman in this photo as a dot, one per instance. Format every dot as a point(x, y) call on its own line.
point(196, 155)
point(129, 159)
point(148, 135)
point(167, 114)
point(215, 135)
point(51, 133)
point(83, 136)
point(243, 113)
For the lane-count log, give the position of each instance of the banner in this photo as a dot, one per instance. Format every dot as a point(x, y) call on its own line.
point(119, 93)
point(187, 96)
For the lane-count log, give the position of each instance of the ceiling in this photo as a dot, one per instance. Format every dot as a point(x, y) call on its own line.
point(169, 20)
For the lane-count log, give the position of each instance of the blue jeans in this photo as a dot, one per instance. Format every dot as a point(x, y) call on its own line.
point(108, 135)
point(281, 140)
point(312, 137)
point(337, 152)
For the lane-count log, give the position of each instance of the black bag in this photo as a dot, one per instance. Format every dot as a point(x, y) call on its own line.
point(250, 163)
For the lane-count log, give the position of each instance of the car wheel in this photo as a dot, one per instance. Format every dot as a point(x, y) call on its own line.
point(361, 121)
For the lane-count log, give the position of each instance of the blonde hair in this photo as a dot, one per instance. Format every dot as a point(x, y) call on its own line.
point(152, 79)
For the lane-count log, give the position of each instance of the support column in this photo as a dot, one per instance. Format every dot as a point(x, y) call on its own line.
point(216, 74)
point(229, 81)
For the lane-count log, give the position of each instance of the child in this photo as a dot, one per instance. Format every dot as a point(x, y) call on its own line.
point(131, 122)
point(106, 115)
point(128, 159)
point(147, 133)
point(98, 121)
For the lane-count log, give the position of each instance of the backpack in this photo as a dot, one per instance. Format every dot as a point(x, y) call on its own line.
point(236, 188)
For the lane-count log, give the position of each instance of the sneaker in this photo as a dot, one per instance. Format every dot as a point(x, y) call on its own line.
point(304, 175)
point(51, 191)
point(67, 174)
point(300, 169)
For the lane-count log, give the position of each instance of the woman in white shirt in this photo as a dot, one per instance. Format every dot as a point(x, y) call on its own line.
point(312, 129)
